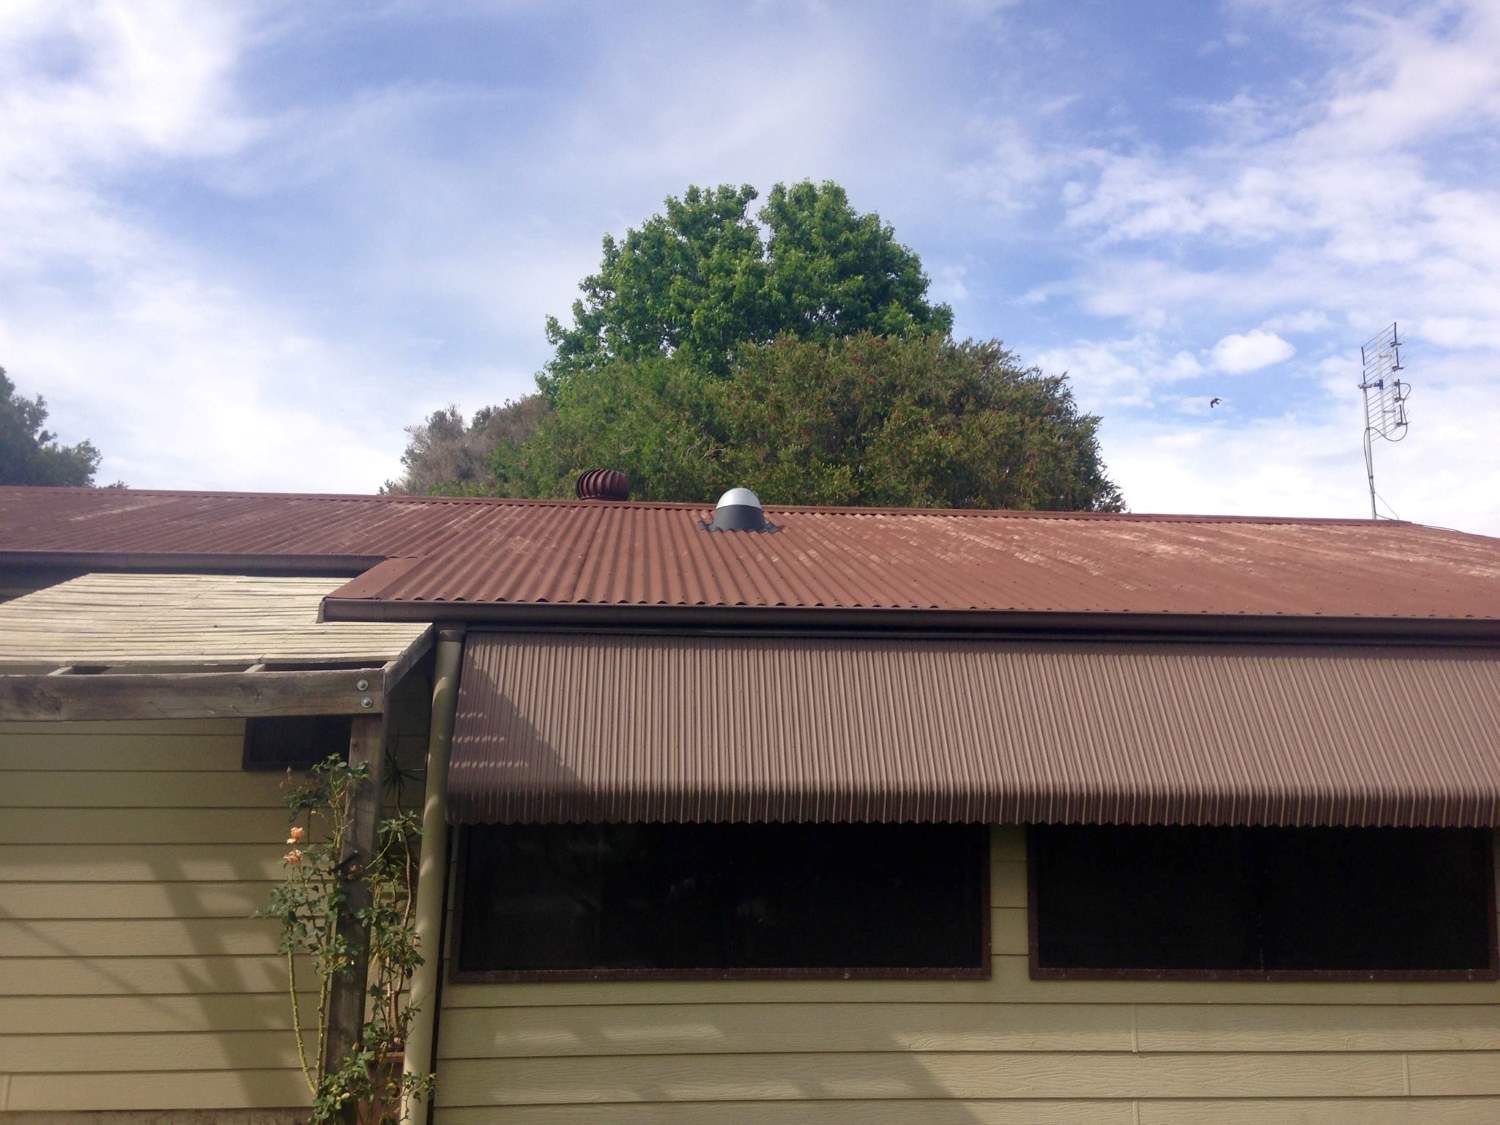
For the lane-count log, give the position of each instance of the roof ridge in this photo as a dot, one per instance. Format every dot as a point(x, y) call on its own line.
point(680, 505)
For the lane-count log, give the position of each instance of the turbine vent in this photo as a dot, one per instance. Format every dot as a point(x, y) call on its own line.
point(603, 484)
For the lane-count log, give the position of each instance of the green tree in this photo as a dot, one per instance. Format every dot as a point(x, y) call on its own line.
point(30, 454)
point(446, 455)
point(701, 280)
point(892, 421)
point(654, 418)
point(796, 352)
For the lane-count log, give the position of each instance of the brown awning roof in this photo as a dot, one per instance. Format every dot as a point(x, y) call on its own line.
point(637, 728)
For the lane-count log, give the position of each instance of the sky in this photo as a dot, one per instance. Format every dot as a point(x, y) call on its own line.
point(242, 246)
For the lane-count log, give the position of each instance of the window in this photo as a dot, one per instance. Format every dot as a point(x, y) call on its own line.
point(1262, 903)
point(724, 900)
point(295, 742)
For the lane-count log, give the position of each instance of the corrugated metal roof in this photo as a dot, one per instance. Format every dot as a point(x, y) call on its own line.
point(451, 557)
point(134, 621)
point(358, 530)
point(636, 556)
point(633, 728)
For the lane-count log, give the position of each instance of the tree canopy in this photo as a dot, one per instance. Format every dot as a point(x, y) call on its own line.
point(445, 454)
point(30, 454)
point(795, 352)
point(702, 280)
point(917, 421)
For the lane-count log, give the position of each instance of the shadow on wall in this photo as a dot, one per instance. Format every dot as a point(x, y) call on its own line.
point(146, 984)
point(129, 953)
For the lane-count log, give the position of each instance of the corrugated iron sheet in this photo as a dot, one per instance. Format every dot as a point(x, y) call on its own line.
point(450, 554)
point(633, 728)
point(636, 556)
point(115, 521)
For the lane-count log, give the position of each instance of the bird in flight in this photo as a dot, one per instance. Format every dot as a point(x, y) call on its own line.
point(1213, 402)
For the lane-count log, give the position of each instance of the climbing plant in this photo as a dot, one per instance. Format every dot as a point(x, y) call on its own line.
point(310, 900)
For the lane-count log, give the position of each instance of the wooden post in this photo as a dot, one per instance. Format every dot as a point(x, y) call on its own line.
point(346, 1009)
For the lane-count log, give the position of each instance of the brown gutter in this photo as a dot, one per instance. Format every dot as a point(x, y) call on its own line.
point(1000, 625)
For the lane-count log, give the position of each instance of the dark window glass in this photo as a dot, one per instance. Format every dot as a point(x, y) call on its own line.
point(723, 897)
point(1262, 900)
point(296, 742)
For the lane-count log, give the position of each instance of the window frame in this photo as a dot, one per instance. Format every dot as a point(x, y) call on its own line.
point(1038, 971)
point(458, 975)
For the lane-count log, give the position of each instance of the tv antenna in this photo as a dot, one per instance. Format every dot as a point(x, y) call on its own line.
point(1385, 397)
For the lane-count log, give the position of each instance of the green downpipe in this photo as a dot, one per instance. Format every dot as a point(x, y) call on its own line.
point(432, 869)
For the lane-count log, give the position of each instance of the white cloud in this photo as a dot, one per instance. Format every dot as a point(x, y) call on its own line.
point(1014, 170)
point(1437, 70)
point(948, 284)
point(1117, 373)
point(1236, 354)
point(1309, 462)
point(1299, 323)
point(178, 377)
point(148, 76)
point(182, 385)
point(1342, 207)
point(147, 81)
point(1339, 178)
point(1458, 332)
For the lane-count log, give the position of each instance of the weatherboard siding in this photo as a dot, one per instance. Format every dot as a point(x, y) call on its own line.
point(132, 973)
point(1003, 1050)
point(131, 977)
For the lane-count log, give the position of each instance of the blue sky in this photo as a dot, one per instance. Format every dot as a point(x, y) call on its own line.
point(241, 246)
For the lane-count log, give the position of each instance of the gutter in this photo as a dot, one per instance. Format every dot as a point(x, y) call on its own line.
point(991, 624)
point(432, 870)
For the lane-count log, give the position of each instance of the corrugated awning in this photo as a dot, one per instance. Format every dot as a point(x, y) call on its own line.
point(637, 728)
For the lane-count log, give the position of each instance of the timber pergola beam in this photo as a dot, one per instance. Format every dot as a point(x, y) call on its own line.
point(194, 646)
point(64, 693)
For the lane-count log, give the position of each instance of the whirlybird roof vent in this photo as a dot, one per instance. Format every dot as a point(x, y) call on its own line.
point(603, 484)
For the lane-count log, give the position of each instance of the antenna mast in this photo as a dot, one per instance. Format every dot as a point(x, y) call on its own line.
point(1385, 397)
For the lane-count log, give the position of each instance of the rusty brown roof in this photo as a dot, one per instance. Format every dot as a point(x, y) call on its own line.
point(632, 728)
point(437, 558)
point(138, 527)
